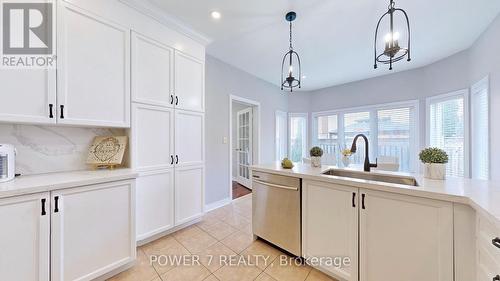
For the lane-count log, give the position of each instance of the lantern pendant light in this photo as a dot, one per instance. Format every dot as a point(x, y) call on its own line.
point(393, 52)
point(291, 57)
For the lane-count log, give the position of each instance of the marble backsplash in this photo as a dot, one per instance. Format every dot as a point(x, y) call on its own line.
point(47, 149)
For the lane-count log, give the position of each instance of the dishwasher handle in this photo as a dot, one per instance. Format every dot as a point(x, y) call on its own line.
point(276, 185)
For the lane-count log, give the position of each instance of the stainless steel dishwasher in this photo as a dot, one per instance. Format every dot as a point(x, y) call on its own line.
point(276, 212)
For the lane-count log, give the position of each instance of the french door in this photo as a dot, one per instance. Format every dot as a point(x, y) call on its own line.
point(244, 148)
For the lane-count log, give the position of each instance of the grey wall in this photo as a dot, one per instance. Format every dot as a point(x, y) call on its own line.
point(223, 80)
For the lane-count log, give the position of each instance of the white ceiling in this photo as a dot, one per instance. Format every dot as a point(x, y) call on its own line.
point(333, 38)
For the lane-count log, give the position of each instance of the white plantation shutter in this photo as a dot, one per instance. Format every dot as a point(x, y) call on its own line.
point(395, 135)
point(480, 129)
point(447, 130)
point(281, 137)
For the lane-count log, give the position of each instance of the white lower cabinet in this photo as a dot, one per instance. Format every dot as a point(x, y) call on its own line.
point(404, 238)
point(330, 226)
point(189, 186)
point(155, 203)
point(400, 237)
point(93, 230)
point(25, 238)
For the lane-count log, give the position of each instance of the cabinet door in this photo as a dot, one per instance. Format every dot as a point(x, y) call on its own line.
point(152, 72)
point(405, 238)
point(189, 188)
point(152, 137)
point(30, 102)
point(93, 230)
point(189, 82)
point(24, 238)
point(93, 69)
point(330, 226)
point(155, 203)
point(189, 138)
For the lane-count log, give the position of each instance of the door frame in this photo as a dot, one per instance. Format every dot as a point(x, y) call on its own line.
point(256, 122)
point(244, 181)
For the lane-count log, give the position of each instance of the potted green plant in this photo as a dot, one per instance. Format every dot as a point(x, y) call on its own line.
point(435, 160)
point(316, 153)
point(346, 153)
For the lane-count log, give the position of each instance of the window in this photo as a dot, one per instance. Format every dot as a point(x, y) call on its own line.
point(354, 124)
point(281, 138)
point(447, 129)
point(394, 135)
point(298, 136)
point(480, 130)
point(391, 129)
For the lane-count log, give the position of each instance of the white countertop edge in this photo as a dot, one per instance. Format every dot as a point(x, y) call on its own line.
point(436, 193)
point(32, 184)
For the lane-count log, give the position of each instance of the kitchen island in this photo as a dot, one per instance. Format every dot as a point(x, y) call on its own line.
point(433, 230)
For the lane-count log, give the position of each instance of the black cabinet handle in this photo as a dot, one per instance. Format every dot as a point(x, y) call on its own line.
point(176, 159)
point(62, 111)
point(171, 99)
point(354, 199)
point(176, 100)
point(51, 110)
point(56, 201)
point(496, 242)
point(171, 159)
point(363, 201)
point(496, 278)
point(43, 207)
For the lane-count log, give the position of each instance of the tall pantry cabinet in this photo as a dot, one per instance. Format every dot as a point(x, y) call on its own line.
point(167, 135)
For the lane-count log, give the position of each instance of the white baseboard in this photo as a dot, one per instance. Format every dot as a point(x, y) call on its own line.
point(217, 204)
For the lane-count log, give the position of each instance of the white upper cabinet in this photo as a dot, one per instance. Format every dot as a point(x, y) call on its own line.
point(93, 69)
point(152, 137)
point(405, 238)
point(152, 72)
point(25, 238)
point(28, 95)
point(330, 226)
point(189, 138)
point(189, 83)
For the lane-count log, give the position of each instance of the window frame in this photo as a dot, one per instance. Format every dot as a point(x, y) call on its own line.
point(464, 93)
point(289, 138)
point(481, 84)
point(414, 106)
point(283, 114)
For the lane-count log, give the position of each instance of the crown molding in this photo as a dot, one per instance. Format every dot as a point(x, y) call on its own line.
point(150, 10)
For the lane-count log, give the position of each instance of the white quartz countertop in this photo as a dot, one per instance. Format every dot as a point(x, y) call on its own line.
point(54, 181)
point(483, 196)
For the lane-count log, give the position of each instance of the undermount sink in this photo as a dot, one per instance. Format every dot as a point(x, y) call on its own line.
point(372, 177)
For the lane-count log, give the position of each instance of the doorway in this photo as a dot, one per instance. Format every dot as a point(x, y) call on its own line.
point(244, 144)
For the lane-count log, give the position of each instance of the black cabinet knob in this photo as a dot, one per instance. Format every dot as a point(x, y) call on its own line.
point(496, 242)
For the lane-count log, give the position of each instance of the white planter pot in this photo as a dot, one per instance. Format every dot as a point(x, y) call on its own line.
point(315, 161)
point(435, 171)
point(346, 161)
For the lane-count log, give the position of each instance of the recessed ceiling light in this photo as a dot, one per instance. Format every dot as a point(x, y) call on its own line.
point(304, 77)
point(215, 15)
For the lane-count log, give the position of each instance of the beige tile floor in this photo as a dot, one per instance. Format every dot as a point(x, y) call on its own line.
point(224, 244)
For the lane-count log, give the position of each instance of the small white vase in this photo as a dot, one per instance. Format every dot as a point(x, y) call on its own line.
point(316, 161)
point(435, 171)
point(346, 161)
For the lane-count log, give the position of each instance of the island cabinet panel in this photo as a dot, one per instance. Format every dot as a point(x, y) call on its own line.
point(330, 226)
point(92, 230)
point(404, 238)
point(25, 237)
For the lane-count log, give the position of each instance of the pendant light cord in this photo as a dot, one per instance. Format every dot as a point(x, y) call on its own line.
point(291, 47)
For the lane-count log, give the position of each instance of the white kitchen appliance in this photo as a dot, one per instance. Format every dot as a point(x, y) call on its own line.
point(7, 162)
